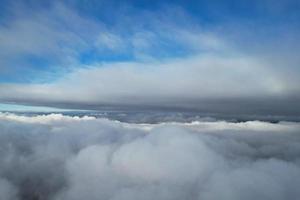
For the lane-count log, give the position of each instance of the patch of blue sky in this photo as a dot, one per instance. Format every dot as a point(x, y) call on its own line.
point(94, 56)
point(23, 108)
point(208, 11)
point(32, 69)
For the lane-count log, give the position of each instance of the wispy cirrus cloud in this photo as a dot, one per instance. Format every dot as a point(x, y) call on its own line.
point(55, 36)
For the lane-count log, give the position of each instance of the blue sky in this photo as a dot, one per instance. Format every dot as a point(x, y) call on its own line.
point(48, 46)
point(21, 108)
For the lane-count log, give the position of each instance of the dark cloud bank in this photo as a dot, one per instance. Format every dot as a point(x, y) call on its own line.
point(60, 157)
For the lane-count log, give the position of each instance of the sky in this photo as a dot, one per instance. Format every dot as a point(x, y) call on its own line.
point(198, 99)
point(26, 108)
point(213, 56)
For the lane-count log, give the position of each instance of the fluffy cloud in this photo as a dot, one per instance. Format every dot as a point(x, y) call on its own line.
point(60, 157)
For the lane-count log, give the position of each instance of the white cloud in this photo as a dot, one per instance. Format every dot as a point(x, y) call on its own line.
point(46, 33)
point(179, 82)
point(110, 41)
point(64, 157)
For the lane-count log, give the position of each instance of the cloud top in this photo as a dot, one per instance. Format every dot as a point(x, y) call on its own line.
point(64, 157)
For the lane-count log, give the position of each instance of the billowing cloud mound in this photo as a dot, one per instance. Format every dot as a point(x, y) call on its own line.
point(59, 157)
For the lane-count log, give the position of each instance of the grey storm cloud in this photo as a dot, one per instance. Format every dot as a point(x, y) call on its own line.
point(61, 157)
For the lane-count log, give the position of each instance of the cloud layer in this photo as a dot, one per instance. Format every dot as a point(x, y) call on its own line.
point(236, 83)
point(60, 157)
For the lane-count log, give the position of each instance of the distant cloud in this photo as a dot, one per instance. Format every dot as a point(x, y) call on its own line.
point(211, 82)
